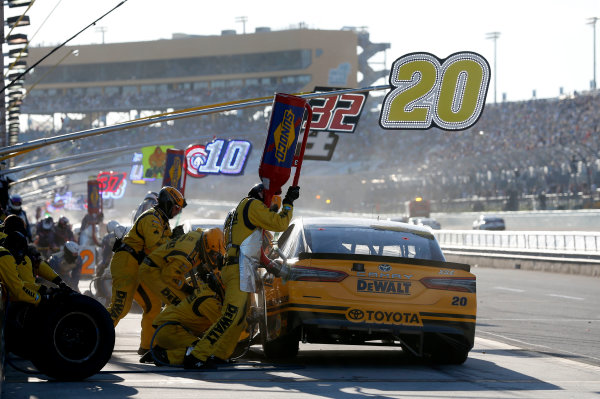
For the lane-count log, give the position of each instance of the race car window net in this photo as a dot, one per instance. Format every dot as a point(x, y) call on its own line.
point(371, 241)
point(462, 284)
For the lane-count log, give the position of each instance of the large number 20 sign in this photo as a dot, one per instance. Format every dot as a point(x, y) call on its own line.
point(449, 94)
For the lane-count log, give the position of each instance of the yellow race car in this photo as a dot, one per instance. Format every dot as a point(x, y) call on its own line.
point(364, 281)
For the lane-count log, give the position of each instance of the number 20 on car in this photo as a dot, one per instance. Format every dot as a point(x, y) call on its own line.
point(431, 92)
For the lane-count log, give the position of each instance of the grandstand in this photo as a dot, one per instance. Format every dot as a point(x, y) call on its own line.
point(190, 70)
point(94, 85)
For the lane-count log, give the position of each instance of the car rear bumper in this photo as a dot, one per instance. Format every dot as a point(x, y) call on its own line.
point(340, 320)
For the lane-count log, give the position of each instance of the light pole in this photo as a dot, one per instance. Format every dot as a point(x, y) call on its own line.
point(592, 21)
point(494, 36)
point(243, 20)
point(102, 30)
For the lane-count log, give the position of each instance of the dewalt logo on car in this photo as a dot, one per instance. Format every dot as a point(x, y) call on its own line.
point(383, 286)
point(284, 135)
point(383, 317)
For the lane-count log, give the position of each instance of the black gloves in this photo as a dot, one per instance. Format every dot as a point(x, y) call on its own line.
point(292, 195)
point(187, 289)
point(177, 232)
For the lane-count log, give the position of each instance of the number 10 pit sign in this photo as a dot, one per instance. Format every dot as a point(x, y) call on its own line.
point(431, 92)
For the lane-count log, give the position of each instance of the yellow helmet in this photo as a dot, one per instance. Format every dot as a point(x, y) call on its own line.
point(213, 245)
point(171, 201)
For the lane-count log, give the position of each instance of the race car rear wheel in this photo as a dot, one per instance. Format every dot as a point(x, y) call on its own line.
point(445, 349)
point(284, 346)
point(76, 339)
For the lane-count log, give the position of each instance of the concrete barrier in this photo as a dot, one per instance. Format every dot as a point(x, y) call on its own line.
point(539, 262)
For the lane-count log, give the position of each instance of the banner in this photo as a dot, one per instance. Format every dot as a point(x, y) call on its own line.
point(175, 169)
point(279, 154)
point(94, 199)
point(332, 115)
point(112, 184)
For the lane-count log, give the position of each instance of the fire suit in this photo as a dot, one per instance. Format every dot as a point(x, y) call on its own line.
point(187, 320)
point(27, 273)
point(148, 232)
point(221, 339)
point(164, 270)
point(18, 290)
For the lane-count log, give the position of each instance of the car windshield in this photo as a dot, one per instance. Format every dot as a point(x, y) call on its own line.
point(493, 220)
point(371, 241)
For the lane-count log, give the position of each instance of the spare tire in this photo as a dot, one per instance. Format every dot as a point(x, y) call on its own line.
point(19, 337)
point(75, 336)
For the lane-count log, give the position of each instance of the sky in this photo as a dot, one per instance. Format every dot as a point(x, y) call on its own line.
point(544, 45)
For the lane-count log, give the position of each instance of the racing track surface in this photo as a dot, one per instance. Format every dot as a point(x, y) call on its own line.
point(537, 337)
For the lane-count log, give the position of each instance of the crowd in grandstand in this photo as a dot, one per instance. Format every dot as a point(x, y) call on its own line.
point(155, 97)
point(516, 148)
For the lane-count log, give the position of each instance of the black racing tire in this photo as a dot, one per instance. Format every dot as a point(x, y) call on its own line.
point(19, 338)
point(284, 346)
point(445, 349)
point(281, 347)
point(76, 337)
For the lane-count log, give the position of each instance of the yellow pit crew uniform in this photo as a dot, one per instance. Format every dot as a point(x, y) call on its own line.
point(187, 320)
point(27, 273)
point(18, 290)
point(149, 231)
point(221, 339)
point(164, 270)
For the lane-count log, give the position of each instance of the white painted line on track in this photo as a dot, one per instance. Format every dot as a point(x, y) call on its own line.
point(518, 341)
point(509, 289)
point(566, 297)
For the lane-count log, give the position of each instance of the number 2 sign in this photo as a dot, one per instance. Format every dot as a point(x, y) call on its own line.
point(449, 94)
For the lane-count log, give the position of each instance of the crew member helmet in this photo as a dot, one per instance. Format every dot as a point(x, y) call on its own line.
point(47, 223)
point(71, 250)
point(171, 201)
point(63, 221)
point(256, 192)
point(14, 223)
point(151, 196)
point(16, 243)
point(15, 202)
point(213, 245)
point(111, 225)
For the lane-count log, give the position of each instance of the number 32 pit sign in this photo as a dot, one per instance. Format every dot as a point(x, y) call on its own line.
point(430, 92)
point(425, 92)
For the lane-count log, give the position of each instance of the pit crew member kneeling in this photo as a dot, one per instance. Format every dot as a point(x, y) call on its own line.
point(179, 326)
